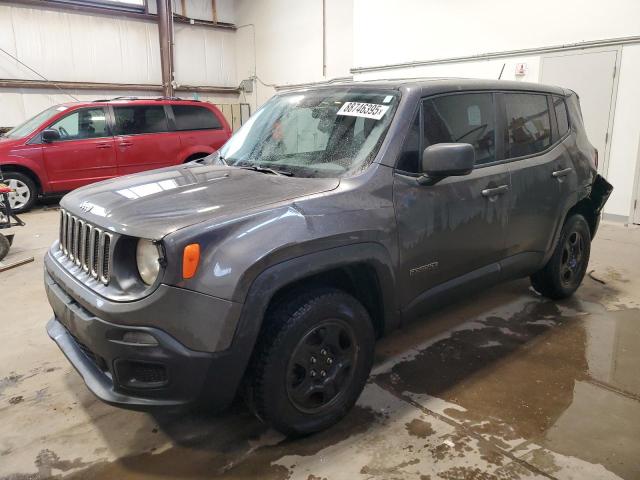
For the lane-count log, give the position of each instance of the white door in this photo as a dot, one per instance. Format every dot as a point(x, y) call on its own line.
point(592, 76)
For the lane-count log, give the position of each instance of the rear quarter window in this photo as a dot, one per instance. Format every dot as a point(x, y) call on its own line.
point(190, 117)
point(562, 117)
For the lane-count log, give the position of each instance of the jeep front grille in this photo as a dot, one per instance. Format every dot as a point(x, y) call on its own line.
point(86, 245)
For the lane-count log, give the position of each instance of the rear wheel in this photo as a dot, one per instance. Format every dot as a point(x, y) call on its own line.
point(563, 273)
point(312, 362)
point(24, 192)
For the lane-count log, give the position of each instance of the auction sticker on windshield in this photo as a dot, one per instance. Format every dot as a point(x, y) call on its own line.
point(366, 110)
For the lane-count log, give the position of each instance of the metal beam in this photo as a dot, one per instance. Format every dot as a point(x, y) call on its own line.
point(214, 12)
point(129, 87)
point(165, 33)
point(608, 42)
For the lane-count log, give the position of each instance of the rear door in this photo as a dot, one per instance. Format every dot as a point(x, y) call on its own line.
point(457, 226)
point(198, 126)
point(143, 138)
point(542, 174)
point(84, 153)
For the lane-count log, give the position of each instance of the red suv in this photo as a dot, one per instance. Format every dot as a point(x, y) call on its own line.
point(71, 145)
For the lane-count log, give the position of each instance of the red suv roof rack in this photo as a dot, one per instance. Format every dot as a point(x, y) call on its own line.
point(116, 98)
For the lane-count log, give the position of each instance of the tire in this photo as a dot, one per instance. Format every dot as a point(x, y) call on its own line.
point(312, 361)
point(563, 273)
point(4, 246)
point(25, 194)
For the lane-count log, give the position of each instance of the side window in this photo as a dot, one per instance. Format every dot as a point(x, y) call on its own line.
point(561, 115)
point(189, 117)
point(84, 123)
point(409, 160)
point(135, 120)
point(528, 125)
point(462, 118)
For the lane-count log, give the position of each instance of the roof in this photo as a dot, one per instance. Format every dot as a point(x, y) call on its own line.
point(438, 84)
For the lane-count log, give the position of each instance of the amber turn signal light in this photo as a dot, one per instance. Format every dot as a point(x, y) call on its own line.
point(190, 260)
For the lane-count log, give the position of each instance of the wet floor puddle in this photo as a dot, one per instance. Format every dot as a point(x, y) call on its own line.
point(536, 377)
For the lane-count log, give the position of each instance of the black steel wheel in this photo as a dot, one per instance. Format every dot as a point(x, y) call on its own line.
point(571, 259)
point(320, 368)
point(312, 361)
point(563, 273)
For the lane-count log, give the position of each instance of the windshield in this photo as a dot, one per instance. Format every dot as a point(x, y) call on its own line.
point(30, 125)
point(320, 133)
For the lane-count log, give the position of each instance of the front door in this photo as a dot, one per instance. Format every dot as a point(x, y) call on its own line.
point(457, 226)
point(143, 138)
point(84, 153)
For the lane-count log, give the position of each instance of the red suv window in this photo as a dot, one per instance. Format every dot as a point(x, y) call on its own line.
point(138, 119)
point(191, 117)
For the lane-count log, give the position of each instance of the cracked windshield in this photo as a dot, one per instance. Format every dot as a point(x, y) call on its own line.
point(324, 133)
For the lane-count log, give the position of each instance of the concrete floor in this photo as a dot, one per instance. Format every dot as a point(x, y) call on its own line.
point(506, 385)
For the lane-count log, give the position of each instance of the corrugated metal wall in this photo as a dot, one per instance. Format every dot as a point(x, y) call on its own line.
point(70, 46)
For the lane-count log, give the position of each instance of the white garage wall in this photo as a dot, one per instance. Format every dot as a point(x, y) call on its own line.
point(409, 30)
point(474, 69)
point(204, 56)
point(288, 42)
point(71, 46)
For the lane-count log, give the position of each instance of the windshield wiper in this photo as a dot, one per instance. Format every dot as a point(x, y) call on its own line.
point(268, 170)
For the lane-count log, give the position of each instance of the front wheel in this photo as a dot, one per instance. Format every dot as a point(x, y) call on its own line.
point(24, 192)
point(312, 361)
point(563, 273)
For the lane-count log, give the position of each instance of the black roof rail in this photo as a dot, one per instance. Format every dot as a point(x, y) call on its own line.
point(116, 98)
point(178, 98)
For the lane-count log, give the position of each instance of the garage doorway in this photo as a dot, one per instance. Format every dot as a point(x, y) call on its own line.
point(592, 75)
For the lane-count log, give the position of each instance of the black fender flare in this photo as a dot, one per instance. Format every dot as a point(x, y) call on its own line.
point(269, 281)
point(597, 194)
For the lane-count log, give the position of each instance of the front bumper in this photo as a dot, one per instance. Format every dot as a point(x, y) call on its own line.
point(97, 371)
point(126, 373)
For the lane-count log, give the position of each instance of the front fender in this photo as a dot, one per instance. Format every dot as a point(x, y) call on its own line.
point(30, 164)
point(267, 283)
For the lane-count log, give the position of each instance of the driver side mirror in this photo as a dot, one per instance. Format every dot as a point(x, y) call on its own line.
point(50, 135)
point(446, 160)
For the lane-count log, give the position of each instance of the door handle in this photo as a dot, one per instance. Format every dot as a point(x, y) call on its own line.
point(103, 145)
point(561, 173)
point(492, 192)
point(125, 144)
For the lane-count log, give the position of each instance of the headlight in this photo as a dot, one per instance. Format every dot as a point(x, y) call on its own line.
point(148, 259)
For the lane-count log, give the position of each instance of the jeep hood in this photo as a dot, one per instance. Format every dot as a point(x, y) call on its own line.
point(156, 203)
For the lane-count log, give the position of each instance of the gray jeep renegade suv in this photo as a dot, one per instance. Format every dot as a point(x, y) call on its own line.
point(334, 215)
